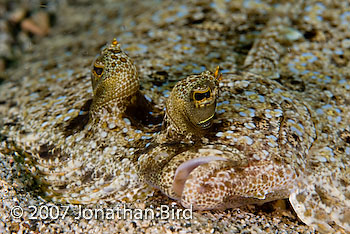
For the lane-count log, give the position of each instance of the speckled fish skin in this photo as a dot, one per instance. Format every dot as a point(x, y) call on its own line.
point(185, 116)
point(271, 142)
point(266, 129)
point(326, 187)
point(183, 124)
point(84, 154)
point(274, 135)
point(312, 70)
point(260, 140)
point(114, 81)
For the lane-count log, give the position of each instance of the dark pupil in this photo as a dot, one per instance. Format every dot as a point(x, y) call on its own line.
point(98, 70)
point(201, 96)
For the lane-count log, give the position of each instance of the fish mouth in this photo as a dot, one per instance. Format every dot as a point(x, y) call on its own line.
point(184, 170)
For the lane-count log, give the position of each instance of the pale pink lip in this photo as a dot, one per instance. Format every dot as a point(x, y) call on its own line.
point(184, 170)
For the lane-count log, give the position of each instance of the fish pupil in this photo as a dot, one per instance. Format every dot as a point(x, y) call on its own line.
point(201, 96)
point(98, 70)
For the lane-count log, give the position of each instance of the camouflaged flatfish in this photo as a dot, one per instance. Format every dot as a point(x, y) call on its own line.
point(277, 129)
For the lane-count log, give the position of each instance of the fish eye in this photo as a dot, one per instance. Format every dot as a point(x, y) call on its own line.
point(202, 95)
point(98, 70)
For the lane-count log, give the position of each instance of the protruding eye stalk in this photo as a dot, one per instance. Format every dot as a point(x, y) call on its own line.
point(192, 102)
point(114, 81)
